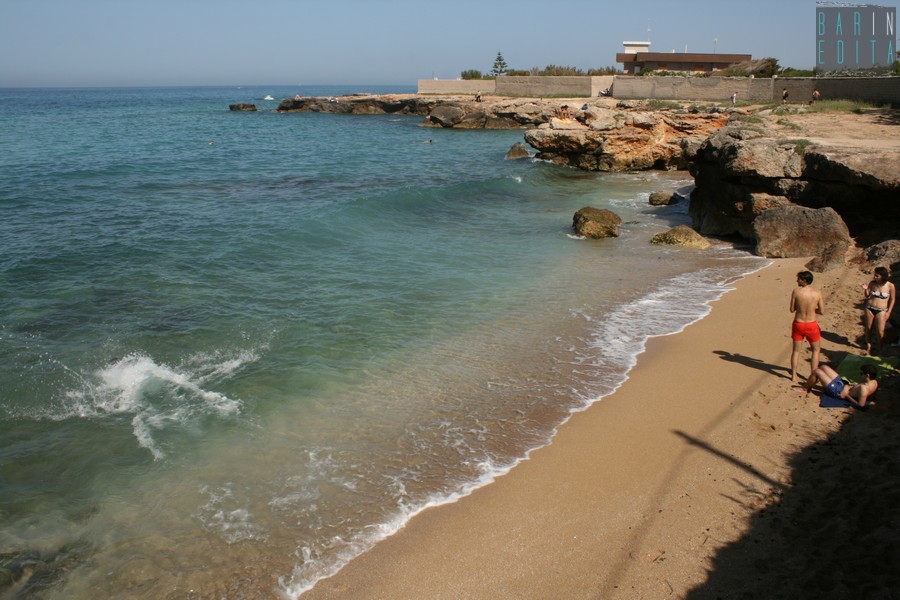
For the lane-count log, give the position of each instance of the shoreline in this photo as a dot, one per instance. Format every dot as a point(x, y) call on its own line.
point(637, 495)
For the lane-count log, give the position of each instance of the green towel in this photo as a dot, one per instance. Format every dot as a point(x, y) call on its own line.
point(849, 367)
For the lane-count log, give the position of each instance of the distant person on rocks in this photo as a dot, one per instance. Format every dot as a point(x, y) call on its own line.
point(881, 295)
point(564, 112)
point(784, 96)
point(734, 99)
point(478, 97)
point(833, 386)
point(806, 304)
point(816, 96)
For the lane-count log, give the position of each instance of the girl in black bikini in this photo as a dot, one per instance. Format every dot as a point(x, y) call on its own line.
point(880, 298)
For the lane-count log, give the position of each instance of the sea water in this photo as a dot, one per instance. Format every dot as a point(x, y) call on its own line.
point(238, 349)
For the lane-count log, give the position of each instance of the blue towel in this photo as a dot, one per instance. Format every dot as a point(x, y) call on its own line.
point(826, 401)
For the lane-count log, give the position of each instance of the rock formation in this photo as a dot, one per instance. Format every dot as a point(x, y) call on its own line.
point(361, 104)
point(242, 107)
point(596, 223)
point(752, 184)
point(604, 139)
point(461, 112)
point(681, 236)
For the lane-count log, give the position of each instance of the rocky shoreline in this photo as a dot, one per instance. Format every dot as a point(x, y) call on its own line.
point(757, 177)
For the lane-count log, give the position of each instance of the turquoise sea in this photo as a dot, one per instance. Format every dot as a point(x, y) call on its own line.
point(238, 349)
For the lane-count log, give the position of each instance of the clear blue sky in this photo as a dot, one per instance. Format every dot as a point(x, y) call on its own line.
point(229, 42)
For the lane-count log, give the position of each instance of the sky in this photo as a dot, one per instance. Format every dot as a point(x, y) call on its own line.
point(87, 43)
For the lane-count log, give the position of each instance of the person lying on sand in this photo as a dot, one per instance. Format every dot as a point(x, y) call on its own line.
point(859, 395)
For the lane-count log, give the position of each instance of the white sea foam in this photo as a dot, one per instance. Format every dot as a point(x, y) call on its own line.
point(224, 515)
point(313, 567)
point(157, 395)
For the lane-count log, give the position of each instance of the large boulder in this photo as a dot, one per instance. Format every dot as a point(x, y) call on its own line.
point(596, 223)
point(681, 236)
point(242, 107)
point(792, 231)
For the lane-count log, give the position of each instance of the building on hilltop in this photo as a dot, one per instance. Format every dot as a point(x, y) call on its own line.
point(637, 58)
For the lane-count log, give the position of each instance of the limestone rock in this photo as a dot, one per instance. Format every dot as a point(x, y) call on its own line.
point(242, 107)
point(447, 116)
point(665, 198)
point(596, 223)
point(681, 236)
point(613, 140)
point(743, 170)
point(885, 254)
point(791, 231)
point(517, 151)
point(833, 256)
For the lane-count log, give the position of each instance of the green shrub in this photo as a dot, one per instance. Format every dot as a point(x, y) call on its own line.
point(557, 70)
point(789, 124)
point(656, 104)
point(471, 74)
point(800, 146)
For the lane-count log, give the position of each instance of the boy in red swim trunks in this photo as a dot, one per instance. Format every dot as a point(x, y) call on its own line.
point(806, 304)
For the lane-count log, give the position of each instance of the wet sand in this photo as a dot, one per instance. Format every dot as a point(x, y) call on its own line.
point(704, 476)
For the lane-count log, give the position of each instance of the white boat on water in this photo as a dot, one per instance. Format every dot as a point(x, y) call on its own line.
point(268, 97)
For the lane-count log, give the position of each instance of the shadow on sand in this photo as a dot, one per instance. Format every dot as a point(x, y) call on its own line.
point(833, 534)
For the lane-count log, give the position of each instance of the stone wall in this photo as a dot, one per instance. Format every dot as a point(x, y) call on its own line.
point(879, 90)
point(521, 87)
point(456, 86)
point(692, 88)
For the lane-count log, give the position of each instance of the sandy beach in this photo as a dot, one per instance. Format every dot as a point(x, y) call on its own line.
point(704, 476)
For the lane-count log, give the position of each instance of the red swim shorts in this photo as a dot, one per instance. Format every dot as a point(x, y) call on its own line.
point(810, 331)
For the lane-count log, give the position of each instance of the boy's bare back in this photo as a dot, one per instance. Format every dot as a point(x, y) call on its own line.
point(807, 303)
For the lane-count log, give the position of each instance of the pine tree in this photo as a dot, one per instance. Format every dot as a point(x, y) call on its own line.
point(500, 66)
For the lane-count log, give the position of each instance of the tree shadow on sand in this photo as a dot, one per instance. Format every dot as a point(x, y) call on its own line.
point(834, 533)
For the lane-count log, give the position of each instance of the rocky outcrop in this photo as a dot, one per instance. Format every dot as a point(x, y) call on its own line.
point(681, 236)
point(604, 139)
point(460, 112)
point(517, 151)
point(596, 223)
point(242, 107)
point(743, 172)
point(361, 104)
